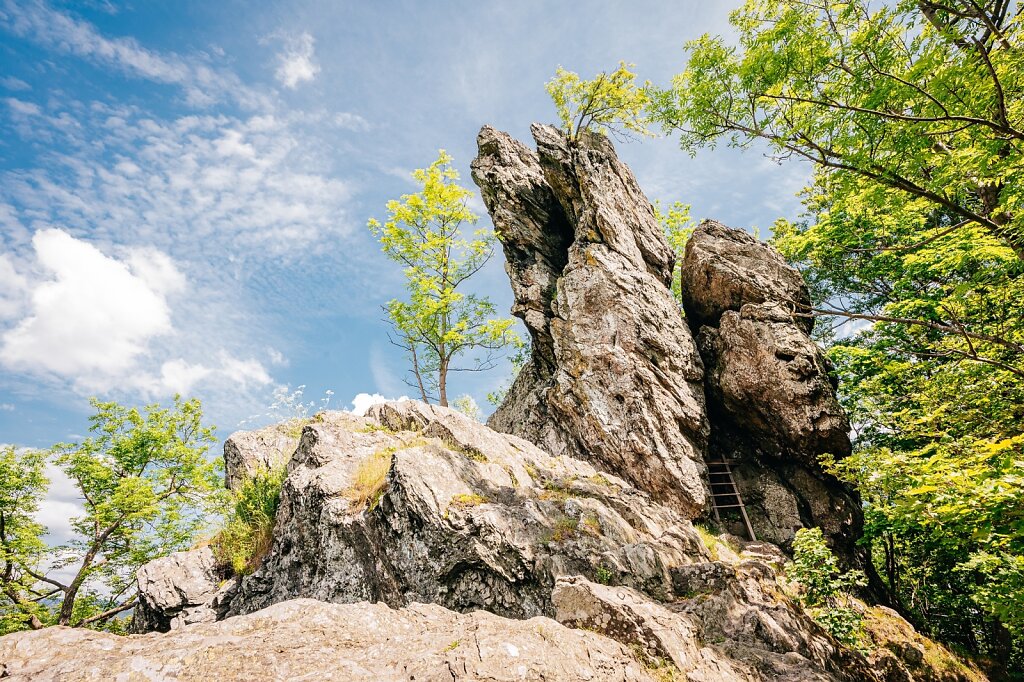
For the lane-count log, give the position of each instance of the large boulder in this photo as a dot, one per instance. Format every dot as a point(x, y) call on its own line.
point(177, 590)
point(771, 398)
point(305, 639)
point(249, 452)
point(614, 377)
point(420, 503)
point(724, 269)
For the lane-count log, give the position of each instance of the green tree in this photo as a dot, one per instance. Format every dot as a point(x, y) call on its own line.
point(897, 102)
point(824, 589)
point(22, 485)
point(677, 226)
point(911, 114)
point(611, 102)
point(439, 324)
point(145, 480)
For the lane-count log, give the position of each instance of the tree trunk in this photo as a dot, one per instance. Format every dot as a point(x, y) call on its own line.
point(442, 383)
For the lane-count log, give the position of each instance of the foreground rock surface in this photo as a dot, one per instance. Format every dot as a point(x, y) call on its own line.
point(771, 400)
point(614, 376)
point(306, 639)
point(458, 515)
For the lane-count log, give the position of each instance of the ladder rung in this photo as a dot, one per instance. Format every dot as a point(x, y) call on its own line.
point(728, 506)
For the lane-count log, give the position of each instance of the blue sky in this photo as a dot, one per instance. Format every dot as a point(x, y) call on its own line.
point(184, 187)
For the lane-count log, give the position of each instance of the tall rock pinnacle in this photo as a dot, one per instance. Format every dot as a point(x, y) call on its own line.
point(614, 376)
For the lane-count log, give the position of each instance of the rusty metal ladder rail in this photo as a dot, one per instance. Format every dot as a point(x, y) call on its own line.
point(723, 489)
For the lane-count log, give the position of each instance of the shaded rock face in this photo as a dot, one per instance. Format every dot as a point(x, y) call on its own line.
point(735, 625)
point(177, 590)
point(464, 517)
point(771, 399)
point(615, 377)
point(310, 640)
point(247, 452)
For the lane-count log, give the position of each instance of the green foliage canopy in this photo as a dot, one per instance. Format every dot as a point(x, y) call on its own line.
point(146, 481)
point(439, 323)
point(610, 102)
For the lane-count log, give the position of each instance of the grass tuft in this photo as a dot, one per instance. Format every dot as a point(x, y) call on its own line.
point(369, 478)
point(248, 532)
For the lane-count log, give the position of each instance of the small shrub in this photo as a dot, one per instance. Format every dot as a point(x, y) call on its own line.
point(368, 479)
point(247, 534)
point(565, 529)
point(603, 575)
point(824, 587)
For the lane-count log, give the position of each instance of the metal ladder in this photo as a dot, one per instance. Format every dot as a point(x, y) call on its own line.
point(725, 494)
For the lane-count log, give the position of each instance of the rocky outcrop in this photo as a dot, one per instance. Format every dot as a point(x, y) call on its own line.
point(614, 376)
point(723, 269)
point(311, 640)
point(248, 452)
point(420, 503)
point(179, 589)
point(771, 399)
point(734, 624)
point(578, 506)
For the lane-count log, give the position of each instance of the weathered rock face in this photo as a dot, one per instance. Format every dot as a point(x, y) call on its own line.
point(735, 625)
point(179, 589)
point(247, 452)
point(723, 269)
point(464, 517)
point(771, 400)
point(310, 640)
point(615, 376)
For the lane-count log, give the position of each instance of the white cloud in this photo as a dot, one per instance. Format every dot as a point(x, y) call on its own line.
point(93, 320)
point(277, 358)
point(363, 401)
point(255, 187)
point(244, 372)
point(296, 63)
point(13, 288)
point(22, 107)
point(6, 407)
point(350, 121)
point(12, 83)
point(93, 316)
point(203, 84)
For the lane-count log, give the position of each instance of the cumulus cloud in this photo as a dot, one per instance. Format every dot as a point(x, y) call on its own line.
point(296, 64)
point(364, 401)
point(93, 316)
point(92, 319)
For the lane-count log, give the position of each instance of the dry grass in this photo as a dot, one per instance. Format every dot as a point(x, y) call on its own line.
point(369, 478)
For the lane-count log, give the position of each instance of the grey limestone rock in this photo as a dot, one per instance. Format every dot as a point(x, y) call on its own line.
point(178, 589)
point(614, 376)
point(247, 452)
point(771, 399)
point(463, 516)
point(305, 639)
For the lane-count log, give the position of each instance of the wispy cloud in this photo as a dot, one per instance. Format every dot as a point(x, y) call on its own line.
point(203, 83)
point(297, 63)
point(257, 184)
